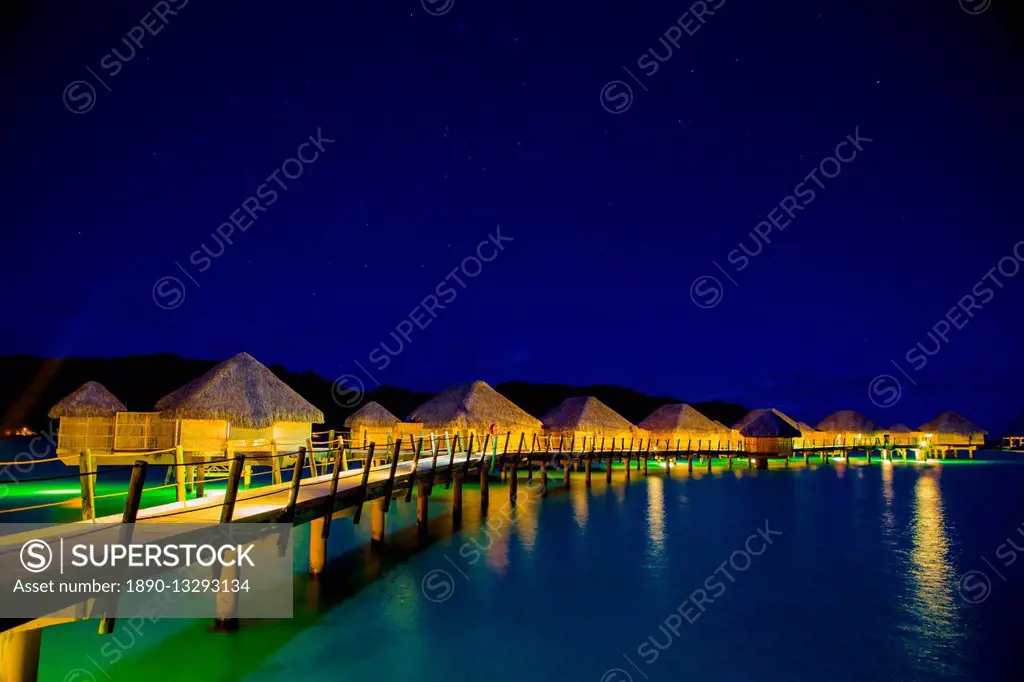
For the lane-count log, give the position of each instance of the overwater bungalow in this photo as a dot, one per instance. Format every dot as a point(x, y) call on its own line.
point(685, 426)
point(238, 403)
point(479, 409)
point(1013, 436)
point(586, 420)
point(898, 434)
point(86, 419)
point(373, 423)
point(809, 435)
point(768, 431)
point(952, 428)
point(848, 427)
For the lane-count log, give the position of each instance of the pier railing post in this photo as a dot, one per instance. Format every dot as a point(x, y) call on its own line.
point(608, 466)
point(485, 481)
point(544, 467)
point(628, 460)
point(451, 459)
point(131, 512)
point(201, 479)
point(389, 487)
point(363, 484)
point(274, 464)
point(460, 477)
point(332, 495)
point(293, 496)
point(513, 481)
point(227, 511)
point(415, 469)
point(87, 479)
point(433, 465)
point(179, 472)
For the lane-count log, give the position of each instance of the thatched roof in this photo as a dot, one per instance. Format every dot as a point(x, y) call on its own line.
point(806, 429)
point(680, 417)
point(848, 421)
point(242, 391)
point(372, 414)
point(91, 399)
point(472, 406)
point(900, 427)
point(767, 423)
point(951, 422)
point(585, 414)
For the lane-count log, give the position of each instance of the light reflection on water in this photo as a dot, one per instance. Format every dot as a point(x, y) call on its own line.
point(933, 602)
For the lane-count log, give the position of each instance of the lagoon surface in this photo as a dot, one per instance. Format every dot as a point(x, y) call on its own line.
point(830, 572)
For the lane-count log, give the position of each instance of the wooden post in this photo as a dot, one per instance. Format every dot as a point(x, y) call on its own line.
point(415, 470)
point(332, 494)
point(389, 487)
point(433, 465)
point(485, 481)
point(317, 546)
point(227, 511)
point(513, 481)
point(647, 456)
point(469, 456)
point(422, 498)
point(451, 459)
point(710, 456)
point(201, 478)
point(689, 462)
point(274, 465)
point(868, 450)
point(529, 458)
point(505, 452)
point(312, 457)
point(629, 460)
point(608, 469)
point(367, 465)
point(131, 512)
point(730, 461)
point(457, 499)
point(544, 468)
point(293, 496)
point(179, 473)
point(586, 468)
point(87, 481)
point(567, 466)
point(19, 655)
point(378, 519)
point(189, 477)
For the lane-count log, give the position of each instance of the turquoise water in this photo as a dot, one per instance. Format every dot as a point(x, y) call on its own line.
point(872, 572)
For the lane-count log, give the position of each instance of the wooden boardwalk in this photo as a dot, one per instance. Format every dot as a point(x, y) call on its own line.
point(319, 498)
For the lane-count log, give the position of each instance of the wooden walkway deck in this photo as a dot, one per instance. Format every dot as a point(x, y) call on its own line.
point(319, 498)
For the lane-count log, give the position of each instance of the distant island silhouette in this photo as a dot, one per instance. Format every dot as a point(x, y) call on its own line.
point(33, 384)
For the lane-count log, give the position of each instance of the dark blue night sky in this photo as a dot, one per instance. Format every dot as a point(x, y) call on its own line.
point(450, 118)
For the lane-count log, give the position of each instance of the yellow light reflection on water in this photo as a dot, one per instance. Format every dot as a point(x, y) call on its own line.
point(931, 572)
point(579, 498)
point(656, 511)
point(888, 518)
point(527, 521)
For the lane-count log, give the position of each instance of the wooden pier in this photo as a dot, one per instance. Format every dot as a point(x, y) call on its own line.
point(323, 488)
